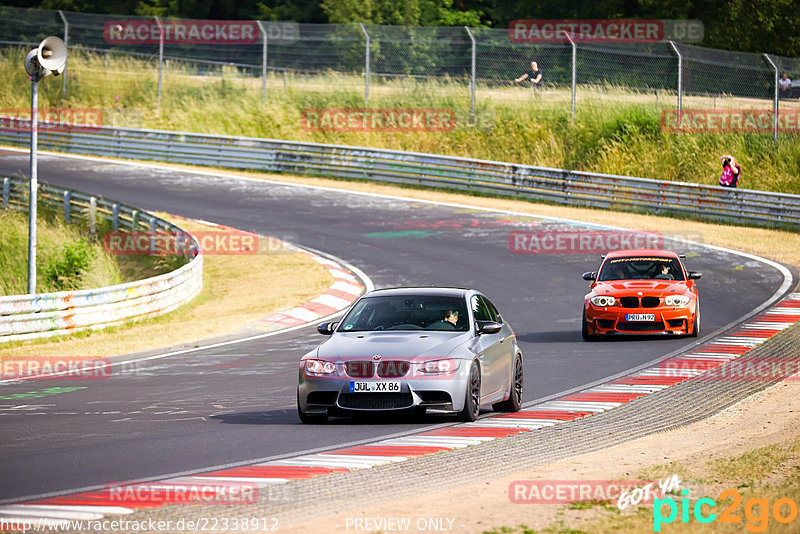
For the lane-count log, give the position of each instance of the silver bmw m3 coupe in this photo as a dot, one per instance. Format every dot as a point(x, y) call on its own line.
point(413, 349)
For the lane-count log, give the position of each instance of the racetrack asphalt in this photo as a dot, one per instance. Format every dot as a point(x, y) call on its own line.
point(236, 403)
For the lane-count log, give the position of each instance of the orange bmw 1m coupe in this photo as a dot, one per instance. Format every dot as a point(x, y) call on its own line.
point(641, 292)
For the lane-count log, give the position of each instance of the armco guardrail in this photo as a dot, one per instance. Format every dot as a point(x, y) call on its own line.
point(473, 175)
point(50, 314)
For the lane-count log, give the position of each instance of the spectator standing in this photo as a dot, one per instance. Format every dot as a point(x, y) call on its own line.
point(785, 86)
point(731, 171)
point(534, 75)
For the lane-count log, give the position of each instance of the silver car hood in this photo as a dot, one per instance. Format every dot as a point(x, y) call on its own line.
point(409, 344)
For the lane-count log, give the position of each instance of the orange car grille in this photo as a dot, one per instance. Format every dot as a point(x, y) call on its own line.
point(646, 302)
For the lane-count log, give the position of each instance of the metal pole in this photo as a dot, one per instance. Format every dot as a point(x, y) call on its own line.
point(66, 44)
point(680, 80)
point(366, 66)
point(776, 110)
point(34, 185)
point(472, 81)
point(263, 61)
point(574, 69)
point(160, 57)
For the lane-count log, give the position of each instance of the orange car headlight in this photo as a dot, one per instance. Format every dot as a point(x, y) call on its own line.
point(603, 301)
point(676, 300)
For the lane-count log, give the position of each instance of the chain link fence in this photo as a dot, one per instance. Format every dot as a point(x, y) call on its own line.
point(472, 59)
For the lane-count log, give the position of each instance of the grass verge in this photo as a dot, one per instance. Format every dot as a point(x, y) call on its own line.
point(615, 130)
point(66, 258)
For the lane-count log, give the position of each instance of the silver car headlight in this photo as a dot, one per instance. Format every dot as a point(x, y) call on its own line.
point(320, 367)
point(676, 300)
point(438, 367)
point(603, 301)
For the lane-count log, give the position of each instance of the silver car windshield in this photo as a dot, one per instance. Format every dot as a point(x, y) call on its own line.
point(407, 312)
point(641, 268)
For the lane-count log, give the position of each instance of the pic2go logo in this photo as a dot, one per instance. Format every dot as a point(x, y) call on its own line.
point(756, 511)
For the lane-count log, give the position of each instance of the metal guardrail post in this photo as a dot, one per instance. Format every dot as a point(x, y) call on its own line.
point(92, 215)
point(680, 80)
point(134, 220)
point(472, 79)
point(776, 111)
point(160, 58)
point(366, 65)
point(66, 45)
point(264, 38)
point(67, 205)
point(6, 191)
point(115, 217)
point(574, 69)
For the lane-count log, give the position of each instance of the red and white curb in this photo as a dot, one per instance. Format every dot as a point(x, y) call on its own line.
point(346, 288)
point(597, 399)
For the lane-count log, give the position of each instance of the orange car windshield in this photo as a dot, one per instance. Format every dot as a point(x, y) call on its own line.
point(641, 268)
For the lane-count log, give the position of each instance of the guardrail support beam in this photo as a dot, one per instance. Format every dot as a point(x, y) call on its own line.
point(93, 215)
point(67, 205)
point(115, 217)
point(6, 191)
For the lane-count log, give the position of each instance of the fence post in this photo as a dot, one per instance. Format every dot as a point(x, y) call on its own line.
point(66, 45)
point(472, 80)
point(6, 190)
point(366, 65)
point(680, 80)
point(263, 60)
point(574, 69)
point(775, 108)
point(160, 58)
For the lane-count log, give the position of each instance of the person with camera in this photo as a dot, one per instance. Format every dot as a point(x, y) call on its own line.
point(731, 171)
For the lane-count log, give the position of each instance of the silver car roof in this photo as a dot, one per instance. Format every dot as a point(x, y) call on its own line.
point(421, 291)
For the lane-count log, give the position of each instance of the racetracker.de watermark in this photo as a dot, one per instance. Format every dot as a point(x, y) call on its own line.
point(207, 492)
point(581, 241)
point(148, 31)
point(764, 369)
point(378, 120)
point(569, 491)
point(162, 243)
point(729, 121)
point(605, 30)
point(52, 119)
point(55, 368)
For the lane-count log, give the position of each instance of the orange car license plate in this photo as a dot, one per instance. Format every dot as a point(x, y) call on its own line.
point(631, 317)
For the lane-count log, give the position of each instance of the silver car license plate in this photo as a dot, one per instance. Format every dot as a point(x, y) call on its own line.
point(632, 317)
point(374, 387)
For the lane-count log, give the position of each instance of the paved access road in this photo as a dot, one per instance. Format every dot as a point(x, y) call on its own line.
point(236, 402)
